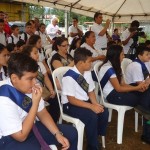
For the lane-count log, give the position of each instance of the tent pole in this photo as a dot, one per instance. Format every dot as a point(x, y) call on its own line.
point(66, 23)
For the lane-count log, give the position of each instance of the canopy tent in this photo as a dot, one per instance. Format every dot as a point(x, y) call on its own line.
point(116, 10)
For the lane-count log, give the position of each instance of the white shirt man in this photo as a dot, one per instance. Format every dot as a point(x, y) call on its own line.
point(100, 31)
point(124, 36)
point(74, 30)
point(53, 29)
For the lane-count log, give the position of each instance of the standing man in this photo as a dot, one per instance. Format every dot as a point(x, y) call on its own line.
point(129, 38)
point(53, 29)
point(74, 30)
point(100, 31)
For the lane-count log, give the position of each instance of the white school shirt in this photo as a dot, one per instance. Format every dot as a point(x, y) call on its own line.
point(101, 41)
point(94, 52)
point(124, 36)
point(43, 37)
point(52, 30)
point(108, 87)
point(11, 115)
point(72, 88)
point(15, 39)
point(134, 73)
point(3, 38)
point(23, 36)
point(73, 29)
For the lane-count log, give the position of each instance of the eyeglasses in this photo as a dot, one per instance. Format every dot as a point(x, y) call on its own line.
point(65, 45)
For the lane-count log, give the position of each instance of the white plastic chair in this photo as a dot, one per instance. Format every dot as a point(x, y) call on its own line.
point(53, 147)
point(120, 109)
point(58, 73)
point(48, 52)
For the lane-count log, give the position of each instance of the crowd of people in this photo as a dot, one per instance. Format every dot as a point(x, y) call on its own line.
point(23, 64)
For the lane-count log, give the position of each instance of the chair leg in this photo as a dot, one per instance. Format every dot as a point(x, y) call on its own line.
point(103, 141)
point(120, 126)
point(110, 114)
point(80, 129)
point(136, 121)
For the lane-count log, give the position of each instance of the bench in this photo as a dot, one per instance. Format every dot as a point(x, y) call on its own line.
point(141, 110)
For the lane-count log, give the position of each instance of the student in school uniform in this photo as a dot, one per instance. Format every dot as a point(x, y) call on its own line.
point(44, 37)
point(28, 32)
point(79, 100)
point(139, 75)
point(3, 36)
point(44, 80)
point(20, 104)
point(14, 38)
point(3, 62)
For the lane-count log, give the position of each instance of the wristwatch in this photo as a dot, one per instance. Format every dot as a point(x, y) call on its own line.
point(58, 132)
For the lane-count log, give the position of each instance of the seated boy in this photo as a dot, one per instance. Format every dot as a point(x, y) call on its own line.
point(20, 103)
point(136, 73)
point(14, 38)
point(28, 32)
point(79, 99)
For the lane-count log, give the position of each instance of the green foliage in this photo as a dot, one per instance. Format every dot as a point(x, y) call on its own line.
point(40, 12)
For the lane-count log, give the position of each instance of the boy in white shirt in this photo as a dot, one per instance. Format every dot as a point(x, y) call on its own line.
point(14, 38)
point(136, 73)
point(28, 32)
point(79, 99)
point(20, 104)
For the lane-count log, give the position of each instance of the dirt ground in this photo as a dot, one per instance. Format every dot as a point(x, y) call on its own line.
point(131, 139)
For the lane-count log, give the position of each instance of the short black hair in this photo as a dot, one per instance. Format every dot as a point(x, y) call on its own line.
point(135, 23)
point(75, 18)
point(28, 24)
point(13, 27)
point(115, 29)
point(1, 20)
point(20, 63)
point(20, 43)
point(97, 14)
point(81, 54)
point(147, 42)
point(141, 49)
point(10, 47)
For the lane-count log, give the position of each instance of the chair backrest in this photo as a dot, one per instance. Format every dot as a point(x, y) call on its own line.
point(49, 63)
point(96, 69)
point(48, 52)
point(58, 74)
point(124, 64)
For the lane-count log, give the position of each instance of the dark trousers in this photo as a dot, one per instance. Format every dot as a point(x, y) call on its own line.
point(54, 109)
point(123, 98)
point(31, 143)
point(95, 124)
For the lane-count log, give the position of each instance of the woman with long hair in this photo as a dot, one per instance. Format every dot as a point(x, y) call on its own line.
point(111, 78)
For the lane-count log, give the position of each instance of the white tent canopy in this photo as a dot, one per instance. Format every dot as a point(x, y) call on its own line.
point(117, 10)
